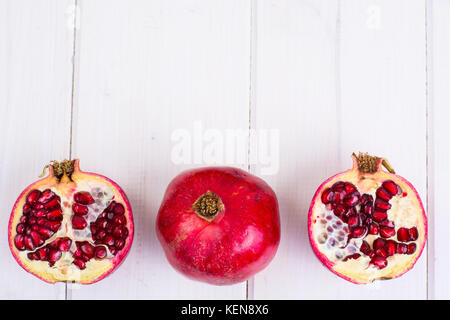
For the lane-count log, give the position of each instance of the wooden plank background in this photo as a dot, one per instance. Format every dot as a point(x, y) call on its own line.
point(113, 82)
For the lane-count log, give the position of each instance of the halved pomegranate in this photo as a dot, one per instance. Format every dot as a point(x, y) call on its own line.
point(366, 223)
point(71, 226)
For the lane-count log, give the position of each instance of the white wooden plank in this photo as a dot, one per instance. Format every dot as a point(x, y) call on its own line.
point(35, 104)
point(439, 151)
point(146, 69)
point(351, 82)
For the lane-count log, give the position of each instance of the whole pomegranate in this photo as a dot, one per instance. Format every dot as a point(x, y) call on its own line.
point(219, 224)
point(71, 226)
point(366, 224)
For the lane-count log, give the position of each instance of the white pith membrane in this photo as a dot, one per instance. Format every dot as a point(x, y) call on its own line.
point(103, 192)
point(330, 234)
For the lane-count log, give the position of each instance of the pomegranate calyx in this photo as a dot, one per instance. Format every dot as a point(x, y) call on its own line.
point(371, 164)
point(208, 206)
point(60, 169)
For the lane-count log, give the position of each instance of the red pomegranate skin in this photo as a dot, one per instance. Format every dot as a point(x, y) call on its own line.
point(239, 242)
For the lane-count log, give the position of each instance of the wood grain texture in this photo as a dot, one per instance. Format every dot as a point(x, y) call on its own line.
point(35, 103)
point(329, 77)
point(351, 84)
point(146, 69)
point(439, 150)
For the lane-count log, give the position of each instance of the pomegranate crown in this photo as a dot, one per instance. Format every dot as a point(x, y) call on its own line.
point(59, 169)
point(371, 164)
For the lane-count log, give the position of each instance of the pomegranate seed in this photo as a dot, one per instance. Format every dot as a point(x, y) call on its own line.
point(349, 188)
point(119, 244)
point(87, 249)
point(55, 214)
point(100, 252)
point(402, 234)
point(83, 197)
point(78, 222)
point(373, 229)
point(33, 196)
point(53, 225)
point(338, 197)
point(109, 240)
point(379, 216)
point(388, 223)
point(101, 234)
point(29, 243)
point(45, 232)
point(112, 250)
point(327, 196)
point(93, 228)
point(413, 234)
point(77, 254)
point(19, 242)
point(366, 199)
point(23, 219)
point(117, 232)
point(379, 262)
point(20, 228)
point(119, 209)
point(383, 194)
point(53, 203)
point(382, 204)
point(37, 239)
point(368, 210)
point(42, 253)
point(120, 220)
point(79, 263)
point(39, 213)
point(33, 256)
point(402, 248)
point(381, 252)
point(359, 232)
point(387, 232)
point(353, 221)
point(353, 256)
point(102, 223)
point(339, 210)
point(352, 200)
point(46, 196)
point(64, 244)
point(379, 243)
point(411, 248)
point(391, 247)
point(80, 209)
point(391, 187)
point(338, 186)
point(26, 208)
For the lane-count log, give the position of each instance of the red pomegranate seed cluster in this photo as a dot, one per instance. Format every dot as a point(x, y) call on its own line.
point(85, 252)
point(383, 248)
point(79, 208)
point(52, 252)
point(42, 216)
point(344, 199)
point(110, 228)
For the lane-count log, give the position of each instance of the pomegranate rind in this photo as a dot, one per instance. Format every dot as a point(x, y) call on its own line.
point(240, 242)
point(96, 270)
point(346, 270)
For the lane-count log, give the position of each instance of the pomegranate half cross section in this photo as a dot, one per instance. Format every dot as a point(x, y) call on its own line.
point(366, 223)
point(71, 226)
